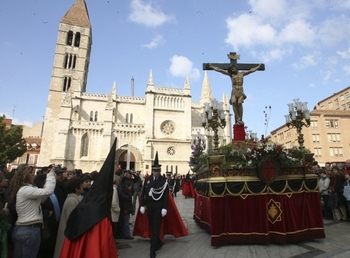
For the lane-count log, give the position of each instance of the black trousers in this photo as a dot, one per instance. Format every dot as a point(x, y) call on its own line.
point(154, 210)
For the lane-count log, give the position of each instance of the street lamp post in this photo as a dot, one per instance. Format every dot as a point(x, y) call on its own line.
point(250, 136)
point(198, 140)
point(298, 116)
point(213, 117)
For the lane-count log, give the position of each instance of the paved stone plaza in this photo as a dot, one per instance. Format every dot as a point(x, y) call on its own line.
point(197, 243)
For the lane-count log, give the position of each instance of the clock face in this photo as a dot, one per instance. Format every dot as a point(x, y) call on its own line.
point(167, 127)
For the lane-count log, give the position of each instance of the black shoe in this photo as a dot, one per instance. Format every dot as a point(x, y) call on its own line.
point(153, 253)
point(128, 237)
point(159, 245)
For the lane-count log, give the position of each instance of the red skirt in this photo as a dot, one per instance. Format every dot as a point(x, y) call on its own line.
point(172, 223)
point(97, 242)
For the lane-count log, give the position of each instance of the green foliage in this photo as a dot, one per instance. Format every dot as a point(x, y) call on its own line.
point(12, 143)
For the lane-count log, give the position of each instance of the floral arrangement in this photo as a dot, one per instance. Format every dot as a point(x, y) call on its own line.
point(242, 154)
point(262, 150)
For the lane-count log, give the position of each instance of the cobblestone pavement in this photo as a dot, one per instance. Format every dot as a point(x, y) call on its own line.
point(197, 243)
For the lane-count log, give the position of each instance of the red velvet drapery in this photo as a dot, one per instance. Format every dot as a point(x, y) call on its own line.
point(265, 218)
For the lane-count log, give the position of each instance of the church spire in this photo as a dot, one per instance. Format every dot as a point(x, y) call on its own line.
point(225, 102)
point(114, 89)
point(187, 87)
point(150, 84)
point(112, 96)
point(206, 94)
point(187, 84)
point(77, 15)
point(150, 79)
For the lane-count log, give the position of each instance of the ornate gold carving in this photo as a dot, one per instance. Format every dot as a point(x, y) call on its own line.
point(274, 211)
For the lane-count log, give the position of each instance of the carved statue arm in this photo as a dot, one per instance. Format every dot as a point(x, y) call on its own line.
point(252, 70)
point(223, 71)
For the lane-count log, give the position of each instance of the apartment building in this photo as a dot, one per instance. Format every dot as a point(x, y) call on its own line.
point(328, 135)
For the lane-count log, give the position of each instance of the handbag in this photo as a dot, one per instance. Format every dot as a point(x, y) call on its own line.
point(322, 203)
point(45, 231)
point(346, 191)
point(333, 201)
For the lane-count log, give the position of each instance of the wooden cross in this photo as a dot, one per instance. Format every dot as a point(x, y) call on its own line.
point(233, 61)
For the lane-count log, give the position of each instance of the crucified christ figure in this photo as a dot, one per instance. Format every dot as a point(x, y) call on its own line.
point(237, 93)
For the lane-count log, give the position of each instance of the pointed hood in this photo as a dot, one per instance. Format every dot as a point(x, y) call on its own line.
point(156, 166)
point(77, 15)
point(96, 205)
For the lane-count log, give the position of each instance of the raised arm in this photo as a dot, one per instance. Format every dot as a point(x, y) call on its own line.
point(223, 71)
point(254, 69)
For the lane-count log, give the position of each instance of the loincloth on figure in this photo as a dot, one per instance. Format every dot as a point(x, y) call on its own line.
point(237, 94)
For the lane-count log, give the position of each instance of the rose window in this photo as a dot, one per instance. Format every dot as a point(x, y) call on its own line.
point(167, 127)
point(171, 151)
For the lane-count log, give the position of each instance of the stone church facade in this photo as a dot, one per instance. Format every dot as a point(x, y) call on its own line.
point(80, 127)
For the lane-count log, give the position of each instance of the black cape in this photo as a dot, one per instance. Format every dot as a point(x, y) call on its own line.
point(96, 205)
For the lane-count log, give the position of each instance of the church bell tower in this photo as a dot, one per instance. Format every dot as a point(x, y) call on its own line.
point(68, 80)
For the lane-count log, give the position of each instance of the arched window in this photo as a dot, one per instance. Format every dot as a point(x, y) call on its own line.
point(91, 116)
point(74, 61)
point(66, 83)
point(127, 118)
point(77, 39)
point(65, 63)
point(96, 116)
point(131, 118)
point(70, 61)
point(84, 146)
point(69, 38)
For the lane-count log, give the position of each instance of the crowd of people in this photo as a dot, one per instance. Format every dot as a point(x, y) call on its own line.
point(333, 182)
point(35, 205)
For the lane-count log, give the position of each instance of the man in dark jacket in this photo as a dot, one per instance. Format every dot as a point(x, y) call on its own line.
point(155, 197)
point(137, 189)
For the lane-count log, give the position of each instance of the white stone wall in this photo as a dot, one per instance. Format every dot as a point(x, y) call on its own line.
point(67, 121)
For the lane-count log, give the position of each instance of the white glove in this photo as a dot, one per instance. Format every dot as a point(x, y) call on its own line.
point(164, 211)
point(142, 210)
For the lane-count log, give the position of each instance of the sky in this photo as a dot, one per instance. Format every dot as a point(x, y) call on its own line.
point(305, 46)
